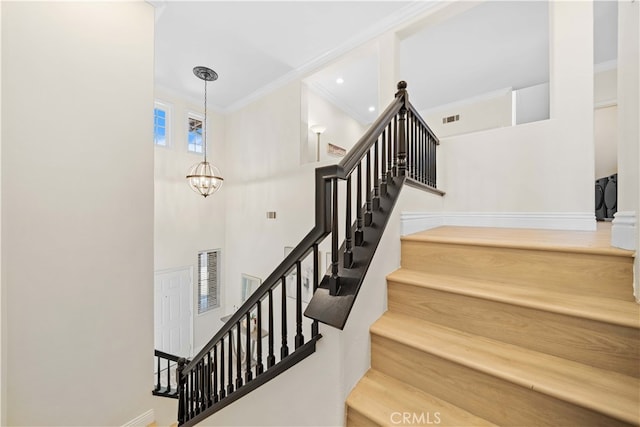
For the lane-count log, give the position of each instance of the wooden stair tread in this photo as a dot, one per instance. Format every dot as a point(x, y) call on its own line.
point(378, 396)
point(597, 243)
point(614, 311)
point(607, 392)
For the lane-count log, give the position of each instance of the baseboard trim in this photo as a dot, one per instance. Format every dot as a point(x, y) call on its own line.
point(142, 420)
point(623, 230)
point(413, 222)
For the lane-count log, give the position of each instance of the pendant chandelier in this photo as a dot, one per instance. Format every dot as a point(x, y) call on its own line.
point(204, 178)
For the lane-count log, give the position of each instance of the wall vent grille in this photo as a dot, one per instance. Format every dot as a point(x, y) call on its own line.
point(450, 119)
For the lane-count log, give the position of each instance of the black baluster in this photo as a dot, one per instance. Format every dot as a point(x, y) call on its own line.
point(239, 355)
point(181, 391)
point(402, 143)
point(432, 161)
point(395, 145)
point(316, 274)
point(248, 375)
point(284, 349)
point(334, 280)
point(390, 151)
point(416, 145)
point(198, 386)
point(359, 234)
point(259, 367)
point(192, 393)
point(222, 391)
point(299, 337)
point(433, 182)
point(368, 215)
point(271, 358)
point(208, 373)
point(168, 375)
point(383, 164)
point(413, 146)
point(215, 374)
point(230, 367)
point(422, 153)
point(158, 380)
point(348, 253)
point(376, 179)
point(408, 145)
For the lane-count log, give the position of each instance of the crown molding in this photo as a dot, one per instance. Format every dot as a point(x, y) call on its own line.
point(392, 22)
point(329, 97)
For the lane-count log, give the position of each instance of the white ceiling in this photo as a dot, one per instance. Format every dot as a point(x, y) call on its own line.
point(492, 46)
point(252, 44)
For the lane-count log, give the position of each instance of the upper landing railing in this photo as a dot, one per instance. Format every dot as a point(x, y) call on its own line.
point(266, 335)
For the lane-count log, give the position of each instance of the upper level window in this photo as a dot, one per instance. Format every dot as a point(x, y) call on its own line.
point(208, 278)
point(161, 124)
point(194, 137)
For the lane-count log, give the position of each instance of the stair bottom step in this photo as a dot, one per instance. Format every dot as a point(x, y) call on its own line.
point(379, 399)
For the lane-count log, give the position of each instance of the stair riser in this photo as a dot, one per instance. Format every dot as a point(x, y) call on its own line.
point(594, 343)
point(356, 419)
point(487, 396)
point(585, 274)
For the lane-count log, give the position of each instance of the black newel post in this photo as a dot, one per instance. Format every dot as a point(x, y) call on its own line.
point(402, 138)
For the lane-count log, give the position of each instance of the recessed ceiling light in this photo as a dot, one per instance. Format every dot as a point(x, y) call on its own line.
point(339, 80)
point(372, 109)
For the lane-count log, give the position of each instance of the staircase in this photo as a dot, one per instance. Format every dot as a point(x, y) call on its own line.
point(505, 327)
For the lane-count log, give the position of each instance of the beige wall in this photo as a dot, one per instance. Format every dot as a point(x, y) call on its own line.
point(606, 141)
point(535, 167)
point(77, 200)
point(3, 311)
point(487, 112)
point(341, 129)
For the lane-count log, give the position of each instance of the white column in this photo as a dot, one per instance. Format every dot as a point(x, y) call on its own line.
point(624, 233)
point(571, 95)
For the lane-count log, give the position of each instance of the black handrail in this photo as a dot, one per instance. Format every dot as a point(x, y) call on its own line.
point(399, 141)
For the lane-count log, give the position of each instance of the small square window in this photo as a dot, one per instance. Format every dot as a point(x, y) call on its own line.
point(194, 137)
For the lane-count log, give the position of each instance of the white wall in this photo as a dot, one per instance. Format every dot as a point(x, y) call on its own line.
point(544, 166)
point(3, 311)
point(492, 110)
point(77, 200)
point(606, 122)
point(264, 174)
point(605, 87)
point(532, 103)
point(341, 129)
point(606, 140)
point(185, 222)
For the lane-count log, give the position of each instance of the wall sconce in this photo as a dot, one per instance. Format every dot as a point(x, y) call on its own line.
point(318, 129)
point(204, 178)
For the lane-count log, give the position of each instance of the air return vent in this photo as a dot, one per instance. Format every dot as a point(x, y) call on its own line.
point(450, 119)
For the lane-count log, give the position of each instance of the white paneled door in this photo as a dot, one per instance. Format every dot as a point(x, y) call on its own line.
point(173, 311)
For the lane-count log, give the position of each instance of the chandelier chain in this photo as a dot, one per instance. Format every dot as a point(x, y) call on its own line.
point(204, 131)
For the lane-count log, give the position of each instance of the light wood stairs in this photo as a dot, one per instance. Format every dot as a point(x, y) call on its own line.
point(505, 327)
